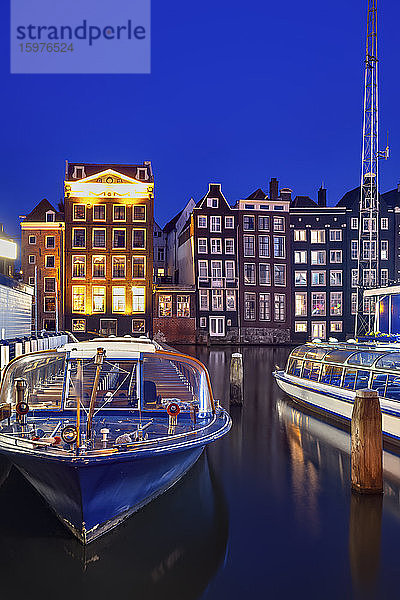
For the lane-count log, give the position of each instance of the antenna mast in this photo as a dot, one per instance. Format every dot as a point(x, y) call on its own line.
point(368, 222)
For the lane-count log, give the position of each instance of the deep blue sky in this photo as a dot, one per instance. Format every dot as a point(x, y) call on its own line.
point(239, 93)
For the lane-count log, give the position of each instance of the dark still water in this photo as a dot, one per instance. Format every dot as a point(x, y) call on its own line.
point(267, 512)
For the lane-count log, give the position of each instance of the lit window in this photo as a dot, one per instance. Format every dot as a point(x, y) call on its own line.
point(49, 285)
point(119, 267)
point(216, 246)
point(165, 305)
point(248, 245)
point(264, 307)
point(384, 250)
point(229, 222)
point(78, 299)
point(50, 261)
point(279, 224)
point(49, 304)
point(369, 224)
point(336, 303)
point(230, 300)
point(32, 259)
point(318, 303)
point(138, 299)
point(300, 235)
point(79, 325)
point(79, 238)
point(138, 238)
point(336, 326)
point(138, 267)
point(215, 224)
point(300, 256)
point(248, 223)
point(279, 275)
point(335, 235)
point(98, 267)
point(139, 213)
point(335, 278)
point(79, 212)
point(138, 325)
point(119, 299)
point(119, 238)
point(264, 274)
point(263, 246)
point(32, 239)
point(300, 278)
point(99, 212)
point(249, 273)
point(183, 306)
point(99, 299)
point(318, 236)
point(318, 257)
point(203, 299)
point(202, 245)
point(202, 221)
point(229, 246)
point(79, 266)
point(50, 241)
point(300, 304)
point(119, 213)
point(249, 306)
point(279, 306)
point(300, 327)
point(318, 278)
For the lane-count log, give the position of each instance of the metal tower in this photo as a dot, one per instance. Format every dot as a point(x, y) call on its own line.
point(368, 222)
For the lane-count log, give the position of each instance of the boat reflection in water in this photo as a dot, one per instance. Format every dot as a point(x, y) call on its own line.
point(171, 549)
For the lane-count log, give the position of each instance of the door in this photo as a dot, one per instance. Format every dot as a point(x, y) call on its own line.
point(217, 326)
point(318, 330)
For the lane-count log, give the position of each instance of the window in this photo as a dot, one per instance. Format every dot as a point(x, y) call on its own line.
point(369, 277)
point(336, 326)
point(230, 300)
point(318, 303)
point(248, 223)
point(50, 216)
point(99, 238)
point(318, 257)
point(98, 267)
point(202, 245)
point(216, 299)
point(49, 304)
point(138, 299)
point(183, 306)
point(49, 285)
point(300, 327)
point(279, 307)
point(99, 299)
point(216, 273)
point(118, 299)
point(79, 266)
point(203, 299)
point(138, 267)
point(368, 306)
point(78, 299)
point(300, 256)
point(50, 261)
point(31, 281)
point(119, 238)
point(300, 278)
point(279, 275)
point(160, 254)
point(230, 270)
point(263, 223)
point(216, 246)
point(79, 325)
point(249, 306)
point(202, 221)
point(279, 246)
point(165, 305)
point(212, 202)
point(138, 238)
point(369, 250)
point(203, 321)
point(353, 304)
point(384, 277)
point(369, 224)
point(119, 267)
point(203, 269)
point(354, 223)
point(229, 222)
point(215, 224)
point(300, 235)
point(264, 274)
point(384, 223)
point(119, 212)
point(31, 259)
point(99, 212)
point(248, 245)
point(318, 277)
point(138, 325)
point(279, 224)
point(249, 273)
point(79, 212)
point(50, 241)
point(264, 307)
point(229, 246)
point(336, 303)
point(139, 213)
point(263, 246)
point(354, 249)
point(79, 238)
point(335, 235)
point(354, 278)
point(318, 236)
point(384, 250)
point(300, 304)
point(32, 239)
point(335, 278)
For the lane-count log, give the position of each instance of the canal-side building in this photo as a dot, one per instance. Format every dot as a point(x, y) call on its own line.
point(174, 314)
point(159, 262)
point(42, 264)
point(319, 278)
point(109, 229)
point(172, 231)
point(264, 262)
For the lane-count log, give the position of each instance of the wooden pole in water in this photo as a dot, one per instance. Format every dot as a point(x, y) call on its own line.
point(236, 379)
point(366, 443)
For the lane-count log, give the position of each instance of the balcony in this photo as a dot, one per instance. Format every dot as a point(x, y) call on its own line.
point(217, 282)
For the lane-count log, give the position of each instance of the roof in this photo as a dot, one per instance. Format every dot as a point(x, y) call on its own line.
point(257, 195)
point(392, 198)
point(93, 169)
point(303, 202)
point(214, 191)
point(40, 210)
point(171, 224)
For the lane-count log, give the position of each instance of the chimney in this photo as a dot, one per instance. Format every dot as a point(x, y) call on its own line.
point(286, 194)
point(322, 196)
point(398, 187)
point(273, 189)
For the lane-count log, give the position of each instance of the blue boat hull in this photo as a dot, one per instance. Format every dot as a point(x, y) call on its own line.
point(93, 498)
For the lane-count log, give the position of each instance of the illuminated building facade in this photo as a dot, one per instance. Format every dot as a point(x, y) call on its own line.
point(109, 219)
point(42, 264)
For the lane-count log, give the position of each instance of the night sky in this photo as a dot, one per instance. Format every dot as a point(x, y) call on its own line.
point(239, 93)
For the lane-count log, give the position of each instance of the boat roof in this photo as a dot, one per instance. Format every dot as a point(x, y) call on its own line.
point(355, 354)
point(115, 347)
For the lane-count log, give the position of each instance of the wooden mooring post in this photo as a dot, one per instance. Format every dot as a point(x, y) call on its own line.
point(366, 443)
point(236, 379)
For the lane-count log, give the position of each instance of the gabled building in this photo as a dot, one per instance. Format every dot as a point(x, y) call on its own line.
point(109, 228)
point(159, 263)
point(172, 231)
point(42, 264)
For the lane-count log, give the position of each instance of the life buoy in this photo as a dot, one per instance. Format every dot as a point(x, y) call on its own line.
point(22, 408)
point(69, 434)
point(173, 409)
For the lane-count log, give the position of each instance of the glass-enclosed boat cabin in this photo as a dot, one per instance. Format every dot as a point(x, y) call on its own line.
point(348, 367)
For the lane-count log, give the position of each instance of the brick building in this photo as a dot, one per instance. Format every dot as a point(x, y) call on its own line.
point(42, 264)
point(174, 317)
point(109, 221)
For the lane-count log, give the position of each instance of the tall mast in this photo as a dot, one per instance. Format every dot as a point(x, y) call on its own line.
point(368, 222)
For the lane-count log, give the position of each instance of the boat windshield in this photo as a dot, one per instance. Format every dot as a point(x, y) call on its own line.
point(365, 359)
point(316, 353)
point(301, 351)
point(338, 356)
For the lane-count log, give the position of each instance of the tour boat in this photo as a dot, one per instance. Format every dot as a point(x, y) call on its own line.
point(100, 428)
point(325, 378)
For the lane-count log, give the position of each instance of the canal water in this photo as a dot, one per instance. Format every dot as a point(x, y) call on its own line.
point(267, 512)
